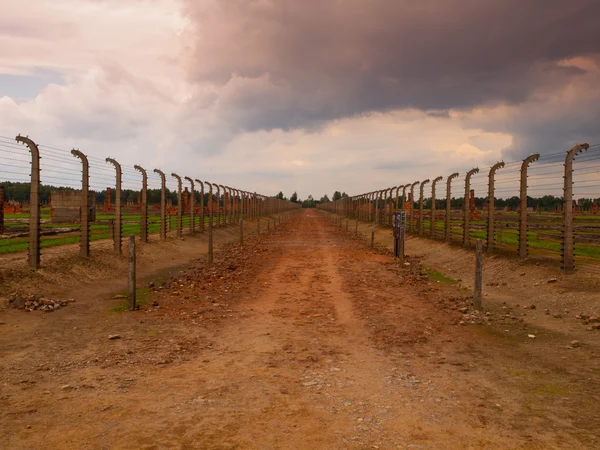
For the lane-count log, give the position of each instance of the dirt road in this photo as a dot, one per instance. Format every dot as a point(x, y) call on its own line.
point(303, 339)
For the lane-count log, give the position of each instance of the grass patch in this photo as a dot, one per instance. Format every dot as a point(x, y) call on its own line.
point(141, 295)
point(551, 389)
point(435, 275)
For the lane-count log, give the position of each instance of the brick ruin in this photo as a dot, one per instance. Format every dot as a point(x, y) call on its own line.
point(186, 201)
point(408, 205)
point(66, 206)
point(107, 202)
point(474, 214)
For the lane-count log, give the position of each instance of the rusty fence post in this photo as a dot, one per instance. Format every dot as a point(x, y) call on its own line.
point(118, 213)
point(523, 228)
point(433, 206)
point(421, 204)
point(467, 208)
point(144, 205)
point(568, 263)
point(163, 205)
point(448, 217)
point(192, 205)
point(34, 204)
point(84, 209)
point(492, 204)
point(179, 206)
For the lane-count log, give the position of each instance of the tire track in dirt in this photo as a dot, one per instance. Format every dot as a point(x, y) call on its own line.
point(324, 344)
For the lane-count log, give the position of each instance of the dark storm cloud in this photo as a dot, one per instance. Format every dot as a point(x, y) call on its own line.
point(290, 63)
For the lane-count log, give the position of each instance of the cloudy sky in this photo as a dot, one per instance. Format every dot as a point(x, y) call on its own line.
point(311, 95)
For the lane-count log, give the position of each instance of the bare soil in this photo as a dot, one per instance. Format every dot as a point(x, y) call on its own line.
point(303, 338)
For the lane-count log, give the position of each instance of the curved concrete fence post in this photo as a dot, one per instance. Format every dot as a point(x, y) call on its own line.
point(210, 201)
point(523, 241)
point(568, 263)
point(192, 204)
point(448, 217)
point(467, 208)
point(33, 249)
point(118, 231)
point(224, 201)
point(403, 199)
point(218, 195)
point(163, 204)
point(238, 195)
point(411, 224)
point(492, 204)
point(144, 206)
point(230, 204)
point(84, 211)
point(421, 206)
point(210, 222)
point(433, 206)
point(391, 206)
point(201, 204)
point(377, 199)
point(179, 205)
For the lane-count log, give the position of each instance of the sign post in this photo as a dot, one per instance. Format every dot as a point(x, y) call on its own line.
point(399, 225)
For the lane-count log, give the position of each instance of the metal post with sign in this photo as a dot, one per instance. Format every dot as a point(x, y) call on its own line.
point(399, 225)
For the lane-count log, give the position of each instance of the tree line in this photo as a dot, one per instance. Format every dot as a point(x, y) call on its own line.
point(19, 191)
point(544, 203)
point(310, 201)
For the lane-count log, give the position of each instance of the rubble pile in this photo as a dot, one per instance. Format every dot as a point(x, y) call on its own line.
point(33, 302)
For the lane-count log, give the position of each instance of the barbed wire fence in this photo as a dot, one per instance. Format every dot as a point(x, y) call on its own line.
point(543, 208)
point(58, 177)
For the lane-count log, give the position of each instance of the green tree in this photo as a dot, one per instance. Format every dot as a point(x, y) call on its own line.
point(294, 198)
point(309, 202)
point(336, 195)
